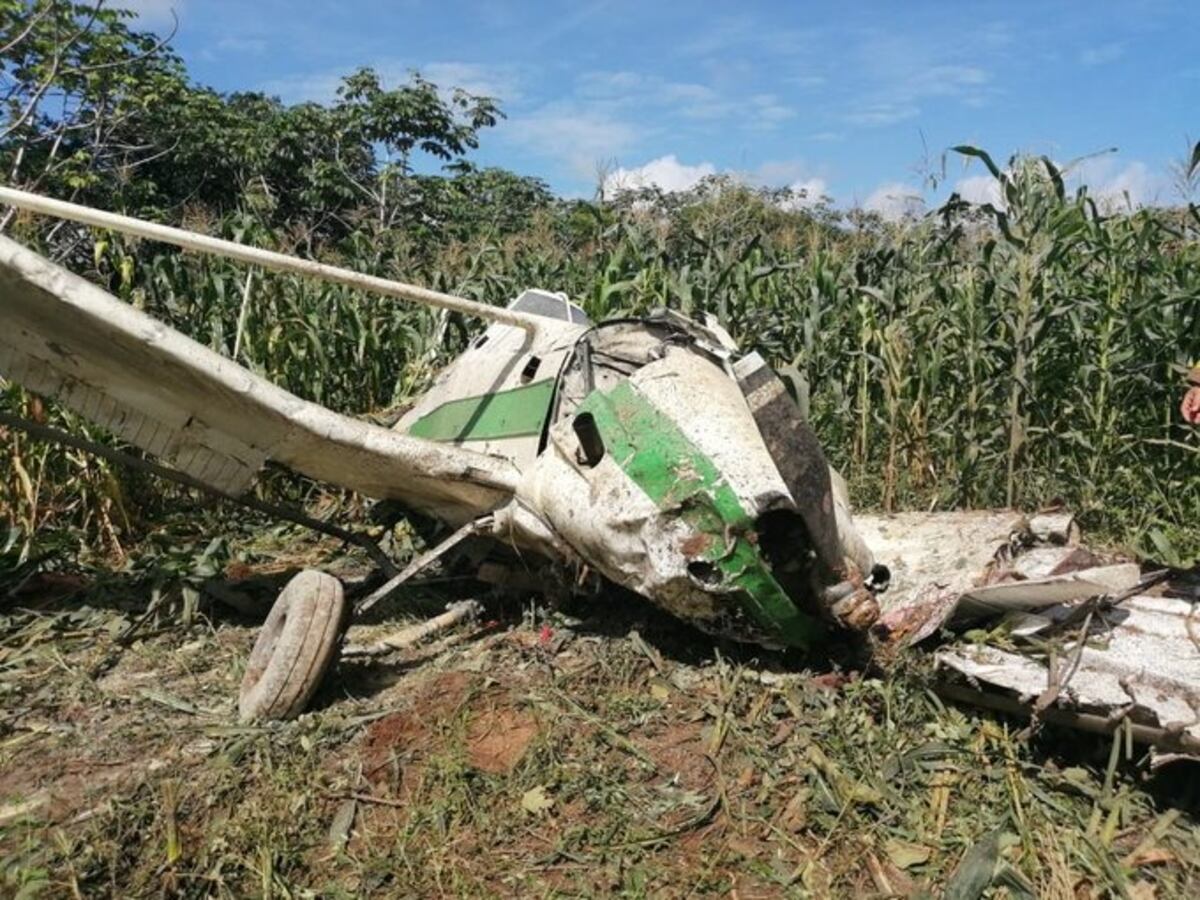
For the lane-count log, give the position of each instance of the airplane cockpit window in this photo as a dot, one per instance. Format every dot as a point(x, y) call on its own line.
point(552, 306)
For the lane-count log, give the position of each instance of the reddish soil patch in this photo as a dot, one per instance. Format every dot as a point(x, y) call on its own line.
point(397, 733)
point(498, 739)
point(60, 785)
point(679, 751)
point(410, 733)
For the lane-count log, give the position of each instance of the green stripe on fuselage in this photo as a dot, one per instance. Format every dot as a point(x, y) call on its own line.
point(505, 414)
point(677, 475)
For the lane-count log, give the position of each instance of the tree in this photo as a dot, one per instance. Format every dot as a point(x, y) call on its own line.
point(99, 113)
point(74, 80)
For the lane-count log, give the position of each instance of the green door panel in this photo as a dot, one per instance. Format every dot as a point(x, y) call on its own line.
point(519, 412)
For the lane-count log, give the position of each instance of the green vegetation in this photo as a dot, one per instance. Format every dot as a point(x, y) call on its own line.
point(611, 755)
point(981, 356)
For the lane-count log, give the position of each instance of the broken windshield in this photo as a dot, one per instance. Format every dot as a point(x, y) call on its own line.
point(552, 306)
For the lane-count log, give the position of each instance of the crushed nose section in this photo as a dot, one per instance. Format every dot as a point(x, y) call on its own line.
point(717, 552)
point(838, 568)
point(784, 542)
point(707, 496)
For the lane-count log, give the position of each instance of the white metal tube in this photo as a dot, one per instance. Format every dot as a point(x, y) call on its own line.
point(268, 259)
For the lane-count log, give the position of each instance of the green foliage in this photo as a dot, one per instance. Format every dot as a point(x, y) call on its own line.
point(106, 115)
point(1014, 353)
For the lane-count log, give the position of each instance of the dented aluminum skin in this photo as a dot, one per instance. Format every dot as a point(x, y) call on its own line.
point(1121, 651)
point(648, 450)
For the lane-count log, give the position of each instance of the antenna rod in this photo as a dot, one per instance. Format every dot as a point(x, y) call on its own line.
point(268, 259)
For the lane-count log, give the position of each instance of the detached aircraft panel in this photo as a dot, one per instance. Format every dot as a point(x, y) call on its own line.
point(202, 413)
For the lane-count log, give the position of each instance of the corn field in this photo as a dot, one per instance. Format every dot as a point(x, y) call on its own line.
point(982, 356)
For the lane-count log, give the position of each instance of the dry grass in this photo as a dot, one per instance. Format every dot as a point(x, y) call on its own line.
point(583, 752)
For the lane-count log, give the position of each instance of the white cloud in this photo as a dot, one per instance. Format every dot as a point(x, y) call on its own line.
point(895, 201)
point(807, 192)
point(653, 95)
point(626, 89)
point(581, 138)
point(154, 14)
point(1102, 55)
point(501, 82)
point(901, 99)
point(980, 189)
point(1115, 187)
point(808, 188)
point(666, 173)
point(901, 71)
point(1133, 182)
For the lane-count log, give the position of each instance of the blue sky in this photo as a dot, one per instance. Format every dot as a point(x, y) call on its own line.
point(854, 100)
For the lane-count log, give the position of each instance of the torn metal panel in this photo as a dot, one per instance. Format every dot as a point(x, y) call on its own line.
point(1141, 660)
point(957, 567)
point(203, 413)
point(1050, 590)
point(1024, 580)
point(933, 559)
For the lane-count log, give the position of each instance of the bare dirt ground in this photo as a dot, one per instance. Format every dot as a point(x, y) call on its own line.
point(599, 750)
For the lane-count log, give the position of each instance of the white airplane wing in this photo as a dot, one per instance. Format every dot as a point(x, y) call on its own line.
point(203, 414)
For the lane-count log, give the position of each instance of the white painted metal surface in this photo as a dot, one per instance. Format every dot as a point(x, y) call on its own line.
point(1140, 658)
point(709, 408)
point(204, 414)
point(500, 359)
point(268, 259)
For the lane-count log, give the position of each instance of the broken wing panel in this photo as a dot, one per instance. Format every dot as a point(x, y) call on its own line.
point(1030, 588)
point(1140, 661)
point(204, 414)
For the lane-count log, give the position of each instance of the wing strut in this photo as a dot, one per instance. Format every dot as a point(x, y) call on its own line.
point(422, 562)
point(268, 259)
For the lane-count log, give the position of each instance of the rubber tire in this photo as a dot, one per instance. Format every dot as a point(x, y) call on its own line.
point(294, 648)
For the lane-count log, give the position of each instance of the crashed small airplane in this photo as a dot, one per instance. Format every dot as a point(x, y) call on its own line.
point(648, 451)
